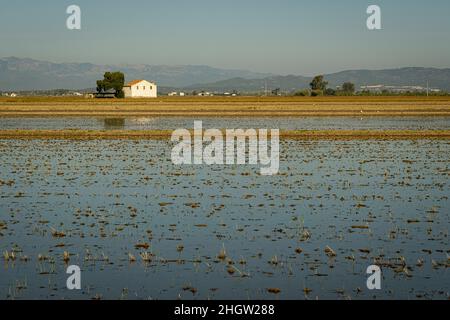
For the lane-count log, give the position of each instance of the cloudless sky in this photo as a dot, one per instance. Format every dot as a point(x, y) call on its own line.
point(277, 36)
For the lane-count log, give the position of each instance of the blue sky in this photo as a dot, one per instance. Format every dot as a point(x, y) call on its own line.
point(282, 36)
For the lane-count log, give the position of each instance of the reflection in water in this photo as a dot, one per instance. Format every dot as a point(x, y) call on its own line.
point(282, 123)
point(133, 220)
point(114, 123)
point(142, 121)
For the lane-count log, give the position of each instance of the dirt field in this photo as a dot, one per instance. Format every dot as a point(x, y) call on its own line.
point(166, 134)
point(233, 106)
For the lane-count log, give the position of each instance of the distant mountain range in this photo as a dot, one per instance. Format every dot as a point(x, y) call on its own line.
point(18, 74)
point(28, 74)
point(436, 78)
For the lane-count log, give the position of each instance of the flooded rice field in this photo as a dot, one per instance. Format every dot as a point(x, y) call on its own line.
point(285, 123)
point(141, 228)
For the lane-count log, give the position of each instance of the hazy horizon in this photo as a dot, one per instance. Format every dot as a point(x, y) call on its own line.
point(283, 38)
point(230, 69)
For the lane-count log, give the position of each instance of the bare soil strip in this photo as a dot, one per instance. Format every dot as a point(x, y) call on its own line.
point(220, 106)
point(166, 134)
point(228, 113)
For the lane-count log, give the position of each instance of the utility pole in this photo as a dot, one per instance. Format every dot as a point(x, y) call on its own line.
point(428, 89)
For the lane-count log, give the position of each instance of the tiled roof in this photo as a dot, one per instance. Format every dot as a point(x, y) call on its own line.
point(132, 83)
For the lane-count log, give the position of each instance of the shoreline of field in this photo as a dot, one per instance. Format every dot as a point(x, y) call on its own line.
point(220, 106)
point(222, 113)
point(74, 134)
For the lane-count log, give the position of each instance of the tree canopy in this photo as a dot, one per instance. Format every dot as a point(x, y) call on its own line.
point(318, 83)
point(348, 88)
point(112, 80)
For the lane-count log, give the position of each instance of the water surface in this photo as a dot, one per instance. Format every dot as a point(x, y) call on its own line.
point(370, 201)
point(283, 123)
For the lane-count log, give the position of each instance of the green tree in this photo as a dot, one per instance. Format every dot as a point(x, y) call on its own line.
point(330, 92)
point(112, 80)
point(316, 93)
point(318, 83)
point(302, 93)
point(348, 88)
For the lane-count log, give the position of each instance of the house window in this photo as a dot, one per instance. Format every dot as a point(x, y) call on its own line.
point(151, 87)
point(137, 87)
point(144, 87)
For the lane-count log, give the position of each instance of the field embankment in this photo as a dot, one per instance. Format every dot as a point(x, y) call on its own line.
point(166, 134)
point(232, 106)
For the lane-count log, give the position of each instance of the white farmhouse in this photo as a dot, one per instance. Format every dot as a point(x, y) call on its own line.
point(140, 89)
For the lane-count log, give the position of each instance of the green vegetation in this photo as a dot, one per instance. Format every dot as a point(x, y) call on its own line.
point(112, 80)
point(302, 93)
point(318, 86)
point(330, 92)
point(348, 88)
